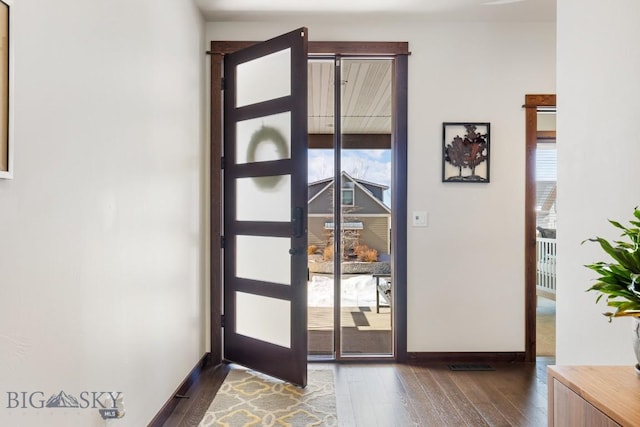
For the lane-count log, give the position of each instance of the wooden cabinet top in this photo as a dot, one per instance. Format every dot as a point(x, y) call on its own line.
point(614, 390)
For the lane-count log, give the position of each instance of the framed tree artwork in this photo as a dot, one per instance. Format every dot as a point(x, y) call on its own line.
point(465, 152)
point(6, 92)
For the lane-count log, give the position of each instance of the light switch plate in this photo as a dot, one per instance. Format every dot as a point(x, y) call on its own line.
point(420, 219)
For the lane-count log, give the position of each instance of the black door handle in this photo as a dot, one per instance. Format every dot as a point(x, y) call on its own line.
point(297, 222)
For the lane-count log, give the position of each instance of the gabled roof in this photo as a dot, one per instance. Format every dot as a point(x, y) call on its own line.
point(359, 183)
point(358, 180)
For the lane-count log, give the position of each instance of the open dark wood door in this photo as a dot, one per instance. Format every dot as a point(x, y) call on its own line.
point(265, 207)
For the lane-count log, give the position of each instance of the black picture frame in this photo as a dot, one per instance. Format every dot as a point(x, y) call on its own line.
point(6, 89)
point(465, 152)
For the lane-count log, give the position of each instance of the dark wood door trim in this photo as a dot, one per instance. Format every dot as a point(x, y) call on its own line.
point(531, 104)
point(398, 49)
point(399, 203)
point(318, 48)
point(215, 211)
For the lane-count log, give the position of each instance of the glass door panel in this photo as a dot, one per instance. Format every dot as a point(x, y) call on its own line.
point(546, 226)
point(350, 285)
point(264, 138)
point(321, 159)
point(264, 258)
point(263, 318)
point(263, 198)
point(251, 84)
point(366, 287)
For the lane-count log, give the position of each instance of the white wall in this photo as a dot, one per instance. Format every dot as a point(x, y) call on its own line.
point(101, 231)
point(598, 151)
point(466, 270)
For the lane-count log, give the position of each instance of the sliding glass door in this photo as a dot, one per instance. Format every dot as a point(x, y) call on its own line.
point(350, 162)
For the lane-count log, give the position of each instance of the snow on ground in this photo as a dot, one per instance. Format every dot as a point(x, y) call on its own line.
point(357, 291)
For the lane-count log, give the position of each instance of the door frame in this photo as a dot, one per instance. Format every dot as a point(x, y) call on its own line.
point(400, 52)
point(531, 104)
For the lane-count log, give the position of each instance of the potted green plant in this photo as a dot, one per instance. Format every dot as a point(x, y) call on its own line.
point(619, 281)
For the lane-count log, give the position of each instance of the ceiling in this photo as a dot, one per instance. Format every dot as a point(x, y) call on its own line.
point(451, 10)
point(366, 84)
point(366, 96)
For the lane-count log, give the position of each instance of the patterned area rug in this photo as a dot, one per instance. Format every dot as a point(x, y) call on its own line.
point(248, 398)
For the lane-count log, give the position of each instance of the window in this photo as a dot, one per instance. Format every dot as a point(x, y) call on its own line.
point(546, 160)
point(347, 193)
point(347, 197)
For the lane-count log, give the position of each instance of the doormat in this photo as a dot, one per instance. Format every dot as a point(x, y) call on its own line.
point(249, 398)
point(471, 367)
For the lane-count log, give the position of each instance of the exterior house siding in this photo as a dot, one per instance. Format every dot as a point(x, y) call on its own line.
point(375, 233)
point(368, 211)
point(317, 234)
point(363, 204)
point(323, 204)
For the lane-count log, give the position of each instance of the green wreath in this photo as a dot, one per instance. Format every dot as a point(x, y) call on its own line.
point(267, 134)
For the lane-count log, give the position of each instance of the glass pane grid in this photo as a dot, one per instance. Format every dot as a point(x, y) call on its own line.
point(264, 258)
point(265, 198)
point(263, 318)
point(252, 87)
point(264, 138)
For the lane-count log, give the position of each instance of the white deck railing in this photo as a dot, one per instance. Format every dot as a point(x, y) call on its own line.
point(546, 265)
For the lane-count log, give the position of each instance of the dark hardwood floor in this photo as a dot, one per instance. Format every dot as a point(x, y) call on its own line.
point(514, 394)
